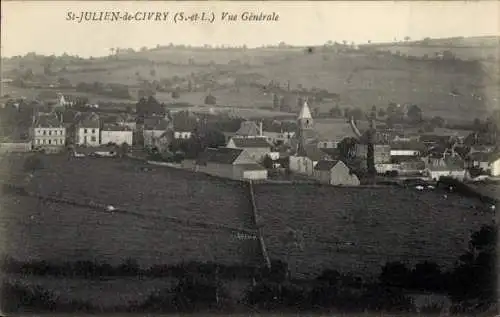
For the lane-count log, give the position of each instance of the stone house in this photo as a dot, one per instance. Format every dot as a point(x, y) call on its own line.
point(256, 148)
point(335, 172)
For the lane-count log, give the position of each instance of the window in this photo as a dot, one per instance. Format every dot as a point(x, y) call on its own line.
point(92, 138)
point(37, 141)
point(85, 139)
point(50, 141)
point(43, 141)
point(44, 132)
point(50, 132)
point(84, 130)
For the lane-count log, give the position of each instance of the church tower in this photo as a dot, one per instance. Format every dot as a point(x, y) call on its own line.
point(305, 128)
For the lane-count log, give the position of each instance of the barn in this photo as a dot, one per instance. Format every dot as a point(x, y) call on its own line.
point(229, 163)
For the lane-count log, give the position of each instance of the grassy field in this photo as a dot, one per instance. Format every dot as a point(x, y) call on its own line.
point(381, 224)
point(62, 232)
point(378, 225)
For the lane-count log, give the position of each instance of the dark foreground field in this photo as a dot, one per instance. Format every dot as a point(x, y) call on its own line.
point(349, 229)
point(352, 230)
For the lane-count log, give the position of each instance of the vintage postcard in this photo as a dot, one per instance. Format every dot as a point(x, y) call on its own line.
point(236, 158)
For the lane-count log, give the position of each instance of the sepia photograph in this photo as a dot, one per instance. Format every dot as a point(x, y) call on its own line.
point(249, 158)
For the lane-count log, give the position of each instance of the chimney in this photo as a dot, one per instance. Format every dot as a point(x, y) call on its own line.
point(260, 128)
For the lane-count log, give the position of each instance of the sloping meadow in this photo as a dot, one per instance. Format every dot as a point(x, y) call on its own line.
point(310, 227)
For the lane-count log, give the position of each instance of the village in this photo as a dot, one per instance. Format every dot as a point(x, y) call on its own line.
point(250, 150)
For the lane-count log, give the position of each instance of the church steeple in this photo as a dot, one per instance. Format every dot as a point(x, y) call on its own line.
point(305, 126)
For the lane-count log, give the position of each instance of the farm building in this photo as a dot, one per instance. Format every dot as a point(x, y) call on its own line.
point(87, 129)
point(48, 132)
point(304, 164)
point(256, 148)
point(335, 172)
point(449, 166)
point(229, 163)
point(116, 134)
point(487, 161)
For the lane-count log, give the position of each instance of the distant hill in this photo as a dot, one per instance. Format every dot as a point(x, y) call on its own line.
point(468, 48)
point(374, 74)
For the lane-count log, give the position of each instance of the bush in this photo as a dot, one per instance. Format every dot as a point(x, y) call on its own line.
point(15, 298)
point(271, 295)
point(395, 274)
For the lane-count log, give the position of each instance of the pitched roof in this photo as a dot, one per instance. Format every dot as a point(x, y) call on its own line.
point(248, 128)
point(484, 156)
point(325, 165)
point(314, 153)
point(88, 120)
point(251, 142)
point(115, 127)
point(48, 120)
point(450, 164)
point(417, 146)
point(305, 112)
point(156, 123)
point(251, 167)
point(220, 155)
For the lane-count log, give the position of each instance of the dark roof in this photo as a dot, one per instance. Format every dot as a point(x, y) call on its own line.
point(248, 128)
point(93, 149)
point(184, 125)
point(251, 167)
point(220, 155)
point(403, 158)
point(88, 120)
point(48, 120)
point(418, 146)
point(314, 153)
point(450, 164)
point(333, 152)
point(251, 142)
point(156, 123)
point(325, 165)
point(115, 127)
point(434, 138)
point(484, 156)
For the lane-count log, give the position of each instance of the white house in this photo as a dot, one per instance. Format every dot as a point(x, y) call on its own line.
point(452, 167)
point(48, 132)
point(87, 129)
point(116, 134)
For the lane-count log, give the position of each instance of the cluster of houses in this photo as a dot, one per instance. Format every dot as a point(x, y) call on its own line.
point(306, 152)
point(422, 155)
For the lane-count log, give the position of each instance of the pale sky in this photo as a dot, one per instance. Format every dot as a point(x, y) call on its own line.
point(41, 26)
